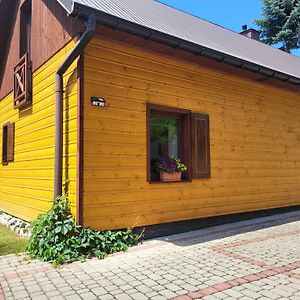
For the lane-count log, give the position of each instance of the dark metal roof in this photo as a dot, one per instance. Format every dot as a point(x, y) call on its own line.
point(179, 29)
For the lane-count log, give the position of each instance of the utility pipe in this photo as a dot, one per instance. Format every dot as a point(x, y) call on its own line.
point(59, 94)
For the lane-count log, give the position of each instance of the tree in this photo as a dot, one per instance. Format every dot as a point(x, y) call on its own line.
point(280, 23)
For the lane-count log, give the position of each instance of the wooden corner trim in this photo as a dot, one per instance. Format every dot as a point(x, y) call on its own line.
point(80, 142)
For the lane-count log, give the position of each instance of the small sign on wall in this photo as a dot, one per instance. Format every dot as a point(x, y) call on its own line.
point(96, 101)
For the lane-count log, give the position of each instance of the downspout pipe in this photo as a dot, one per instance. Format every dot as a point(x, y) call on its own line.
point(59, 95)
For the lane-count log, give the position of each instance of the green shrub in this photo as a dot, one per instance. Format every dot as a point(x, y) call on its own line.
point(56, 238)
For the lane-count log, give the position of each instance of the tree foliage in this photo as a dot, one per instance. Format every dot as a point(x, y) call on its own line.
point(280, 23)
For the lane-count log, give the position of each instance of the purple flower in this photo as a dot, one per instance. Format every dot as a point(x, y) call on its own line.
point(168, 165)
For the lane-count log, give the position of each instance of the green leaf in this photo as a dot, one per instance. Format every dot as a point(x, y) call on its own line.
point(57, 238)
point(58, 229)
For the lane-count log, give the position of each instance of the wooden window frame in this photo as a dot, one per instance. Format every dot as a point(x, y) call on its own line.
point(188, 138)
point(185, 136)
point(8, 143)
point(22, 83)
point(22, 71)
point(25, 43)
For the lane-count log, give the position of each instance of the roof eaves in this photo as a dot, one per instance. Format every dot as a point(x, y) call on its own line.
point(68, 5)
point(83, 11)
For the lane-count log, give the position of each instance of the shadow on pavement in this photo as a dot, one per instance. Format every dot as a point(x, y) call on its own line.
point(230, 228)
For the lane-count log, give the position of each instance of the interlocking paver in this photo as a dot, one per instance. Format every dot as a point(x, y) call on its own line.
point(123, 297)
point(99, 291)
point(20, 294)
point(88, 296)
point(40, 297)
point(167, 294)
point(158, 298)
point(138, 296)
point(256, 259)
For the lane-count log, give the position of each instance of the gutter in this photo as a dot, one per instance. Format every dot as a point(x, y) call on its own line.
point(59, 93)
point(116, 23)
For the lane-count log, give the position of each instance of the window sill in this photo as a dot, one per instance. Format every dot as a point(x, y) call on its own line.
point(162, 182)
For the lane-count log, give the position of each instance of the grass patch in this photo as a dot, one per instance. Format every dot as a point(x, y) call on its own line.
point(10, 242)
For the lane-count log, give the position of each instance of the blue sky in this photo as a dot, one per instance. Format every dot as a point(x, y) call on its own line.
point(231, 14)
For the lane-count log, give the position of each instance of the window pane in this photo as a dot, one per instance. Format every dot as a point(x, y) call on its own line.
point(164, 137)
point(25, 28)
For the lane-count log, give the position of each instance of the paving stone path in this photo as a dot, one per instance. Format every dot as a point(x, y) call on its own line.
point(257, 259)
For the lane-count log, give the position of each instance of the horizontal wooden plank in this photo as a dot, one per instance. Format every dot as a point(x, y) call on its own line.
point(177, 205)
point(112, 51)
point(26, 185)
point(130, 221)
point(187, 191)
point(208, 183)
point(217, 86)
point(91, 137)
point(254, 130)
point(122, 150)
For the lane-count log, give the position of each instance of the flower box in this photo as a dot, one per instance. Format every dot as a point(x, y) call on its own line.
point(170, 177)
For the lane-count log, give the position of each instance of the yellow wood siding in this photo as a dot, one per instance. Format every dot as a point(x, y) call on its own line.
point(254, 130)
point(26, 185)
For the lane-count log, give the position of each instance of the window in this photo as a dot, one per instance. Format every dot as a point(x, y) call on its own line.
point(8, 136)
point(22, 71)
point(173, 132)
point(25, 29)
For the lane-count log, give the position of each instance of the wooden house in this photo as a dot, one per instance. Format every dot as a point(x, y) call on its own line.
point(92, 93)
